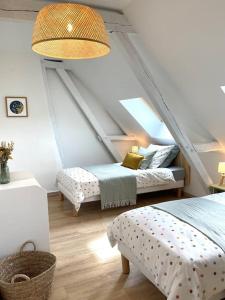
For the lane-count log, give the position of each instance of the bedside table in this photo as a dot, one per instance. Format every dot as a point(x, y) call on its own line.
point(216, 188)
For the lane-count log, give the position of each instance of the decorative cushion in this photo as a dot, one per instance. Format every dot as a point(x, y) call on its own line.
point(148, 155)
point(162, 152)
point(172, 155)
point(132, 161)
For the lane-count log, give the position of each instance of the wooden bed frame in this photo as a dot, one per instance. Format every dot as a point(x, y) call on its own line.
point(125, 265)
point(179, 161)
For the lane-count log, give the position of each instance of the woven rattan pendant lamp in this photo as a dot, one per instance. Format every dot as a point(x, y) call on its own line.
point(70, 31)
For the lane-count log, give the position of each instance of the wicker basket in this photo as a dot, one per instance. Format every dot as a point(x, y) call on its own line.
point(27, 275)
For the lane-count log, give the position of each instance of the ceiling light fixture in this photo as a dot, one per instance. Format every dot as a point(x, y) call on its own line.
point(70, 31)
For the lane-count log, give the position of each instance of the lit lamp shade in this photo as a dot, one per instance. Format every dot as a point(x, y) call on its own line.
point(134, 149)
point(221, 168)
point(70, 31)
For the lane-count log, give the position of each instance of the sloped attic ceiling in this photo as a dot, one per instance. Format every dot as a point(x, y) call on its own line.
point(111, 79)
point(187, 40)
point(185, 48)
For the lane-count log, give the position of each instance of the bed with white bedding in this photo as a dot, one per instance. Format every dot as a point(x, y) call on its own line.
point(180, 260)
point(79, 185)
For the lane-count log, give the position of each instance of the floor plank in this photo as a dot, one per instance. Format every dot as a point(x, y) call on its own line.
point(87, 267)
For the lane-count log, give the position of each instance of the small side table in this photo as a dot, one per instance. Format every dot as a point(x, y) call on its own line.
point(216, 188)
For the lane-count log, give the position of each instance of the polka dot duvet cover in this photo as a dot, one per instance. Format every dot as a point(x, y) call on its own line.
point(184, 263)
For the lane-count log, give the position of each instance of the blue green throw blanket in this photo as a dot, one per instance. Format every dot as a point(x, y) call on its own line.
point(207, 216)
point(118, 186)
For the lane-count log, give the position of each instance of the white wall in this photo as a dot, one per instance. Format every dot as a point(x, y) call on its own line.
point(21, 75)
point(185, 49)
point(76, 139)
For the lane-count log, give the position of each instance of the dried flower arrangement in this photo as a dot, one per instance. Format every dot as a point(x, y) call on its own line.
point(6, 150)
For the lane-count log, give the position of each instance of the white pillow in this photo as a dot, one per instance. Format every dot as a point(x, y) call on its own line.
point(161, 154)
point(145, 151)
point(148, 155)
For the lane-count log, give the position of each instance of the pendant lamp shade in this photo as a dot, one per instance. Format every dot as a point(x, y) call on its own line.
point(70, 31)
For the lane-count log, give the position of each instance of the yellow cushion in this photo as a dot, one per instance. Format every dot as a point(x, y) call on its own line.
point(132, 161)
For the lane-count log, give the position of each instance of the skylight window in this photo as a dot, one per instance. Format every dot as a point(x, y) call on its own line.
point(223, 88)
point(147, 118)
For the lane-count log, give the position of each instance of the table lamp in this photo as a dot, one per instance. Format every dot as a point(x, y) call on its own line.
point(134, 149)
point(221, 171)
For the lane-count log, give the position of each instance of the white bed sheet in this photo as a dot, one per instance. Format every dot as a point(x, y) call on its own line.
point(82, 184)
point(183, 262)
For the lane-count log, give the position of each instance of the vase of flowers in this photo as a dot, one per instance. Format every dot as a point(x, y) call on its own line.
point(6, 150)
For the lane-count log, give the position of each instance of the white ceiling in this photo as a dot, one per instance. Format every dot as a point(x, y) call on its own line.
point(113, 4)
point(34, 4)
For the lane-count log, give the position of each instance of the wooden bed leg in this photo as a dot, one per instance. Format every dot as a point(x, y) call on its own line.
point(179, 192)
point(61, 197)
point(125, 265)
point(75, 212)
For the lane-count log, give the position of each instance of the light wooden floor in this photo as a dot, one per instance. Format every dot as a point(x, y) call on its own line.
point(87, 267)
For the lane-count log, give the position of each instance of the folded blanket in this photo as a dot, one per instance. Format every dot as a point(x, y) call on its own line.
point(118, 186)
point(205, 215)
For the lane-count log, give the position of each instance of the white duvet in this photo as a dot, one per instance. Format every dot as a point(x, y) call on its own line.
point(81, 184)
point(184, 263)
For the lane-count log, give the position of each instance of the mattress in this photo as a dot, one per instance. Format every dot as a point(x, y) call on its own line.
point(178, 172)
point(183, 262)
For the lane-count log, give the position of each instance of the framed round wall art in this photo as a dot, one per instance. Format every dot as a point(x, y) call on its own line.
point(16, 106)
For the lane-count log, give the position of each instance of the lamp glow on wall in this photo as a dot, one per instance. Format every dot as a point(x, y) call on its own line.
point(70, 31)
point(221, 171)
point(134, 149)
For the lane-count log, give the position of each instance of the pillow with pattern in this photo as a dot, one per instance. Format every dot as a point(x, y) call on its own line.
point(162, 152)
point(170, 158)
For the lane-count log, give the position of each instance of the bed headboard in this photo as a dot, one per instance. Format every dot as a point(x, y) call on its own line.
point(182, 162)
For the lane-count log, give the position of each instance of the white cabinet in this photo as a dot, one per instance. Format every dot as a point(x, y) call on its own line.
point(23, 214)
